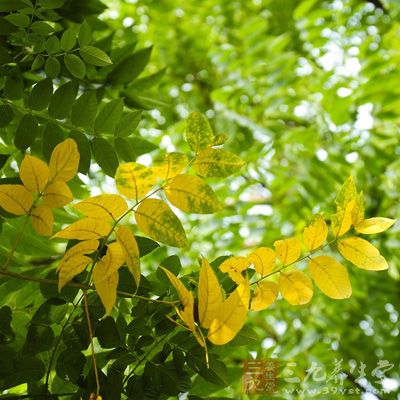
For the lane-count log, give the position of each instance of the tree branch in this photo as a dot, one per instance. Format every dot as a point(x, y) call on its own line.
point(80, 286)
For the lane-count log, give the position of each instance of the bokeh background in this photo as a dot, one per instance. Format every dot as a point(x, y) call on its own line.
point(308, 94)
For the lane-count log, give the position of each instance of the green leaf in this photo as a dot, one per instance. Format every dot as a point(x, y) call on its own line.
point(107, 333)
point(3, 160)
point(70, 364)
point(149, 81)
point(38, 339)
point(11, 5)
point(131, 67)
point(52, 44)
point(129, 149)
point(93, 55)
point(6, 333)
point(18, 19)
point(85, 34)
point(23, 369)
point(26, 132)
point(124, 149)
point(128, 124)
point(52, 67)
point(52, 4)
point(84, 110)
point(145, 245)
point(75, 66)
point(50, 312)
point(109, 116)
point(39, 97)
point(198, 132)
point(51, 137)
point(42, 28)
point(84, 150)
point(68, 39)
point(5, 57)
point(14, 85)
point(37, 62)
point(105, 156)
point(62, 99)
point(6, 115)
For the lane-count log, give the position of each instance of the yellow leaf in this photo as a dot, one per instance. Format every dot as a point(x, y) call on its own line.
point(85, 229)
point(234, 267)
point(316, 233)
point(357, 215)
point(172, 164)
point(15, 199)
point(34, 173)
point(112, 261)
point(186, 298)
point(80, 249)
point(106, 285)
point(198, 132)
point(184, 294)
point(57, 194)
point(218, 163)
point(231, 315)
point(72, 267)
point(129, 246)
point(134, 180)
point(296, 287)
point(105, 206)
point(374, 225)
point(362, 254)
point(191, 194)
point(209, 293)
point(156, 220)
point(187, 316)
point(64, 161)
point(264, 295)
point(345, 203)
point(330, 276)
point(42, 220)
point(288, 250)
point(263, 260)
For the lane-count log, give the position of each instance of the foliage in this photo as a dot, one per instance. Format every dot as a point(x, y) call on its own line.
point(73, 97)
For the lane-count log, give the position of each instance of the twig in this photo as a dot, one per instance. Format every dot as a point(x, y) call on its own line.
point(96, 373)
point(80, 286)
point(156, 343)
point(17, 241)
point(294, 262)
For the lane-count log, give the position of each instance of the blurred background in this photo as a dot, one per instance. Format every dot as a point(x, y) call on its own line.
point(308, 94)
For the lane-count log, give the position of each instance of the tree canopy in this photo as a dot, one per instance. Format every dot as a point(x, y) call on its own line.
point(189, 187)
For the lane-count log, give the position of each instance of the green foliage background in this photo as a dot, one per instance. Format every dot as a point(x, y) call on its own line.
point(307, 94)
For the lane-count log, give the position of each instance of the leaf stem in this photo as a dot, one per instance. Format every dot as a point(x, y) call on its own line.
point(144, 358)
point(17, 242)
point(294, 262)
point(96, 373)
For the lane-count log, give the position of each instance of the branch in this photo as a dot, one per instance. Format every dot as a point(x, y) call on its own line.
point(294, 262)
point(80, 286)
point(96, 373)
